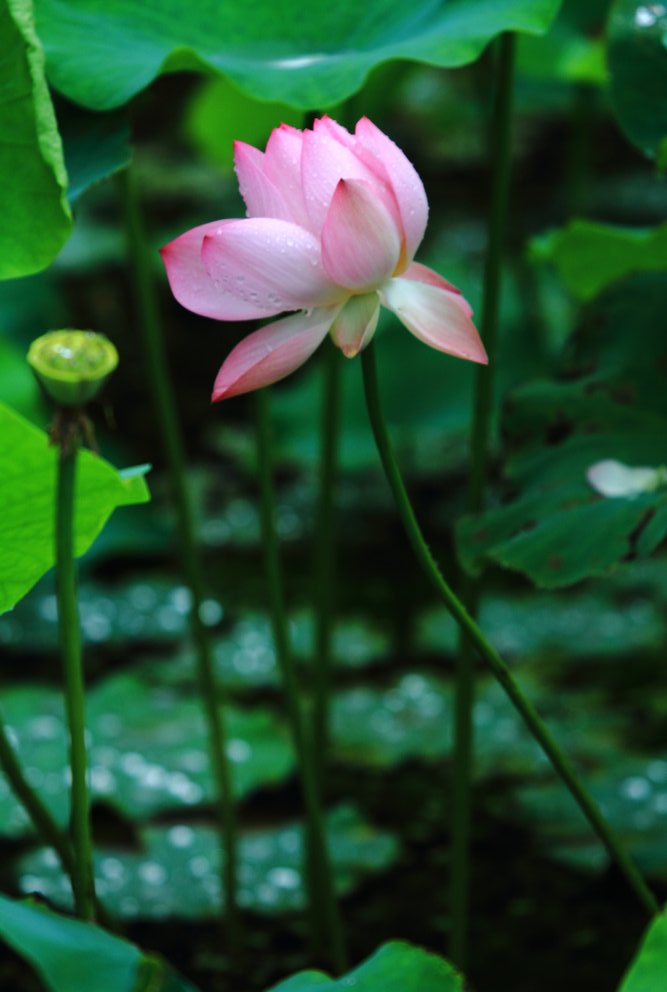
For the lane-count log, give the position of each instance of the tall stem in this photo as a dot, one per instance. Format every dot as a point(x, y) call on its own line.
point(164, 403)
point(533, 721)
point(500, 153)
point(325, 559)
point(500, 156)
point(325, 918)
point(70, 649)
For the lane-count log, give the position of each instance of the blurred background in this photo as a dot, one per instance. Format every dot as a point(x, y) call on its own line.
point(544, 899)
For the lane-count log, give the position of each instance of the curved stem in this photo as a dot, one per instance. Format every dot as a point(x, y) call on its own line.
point(533, 721)
point(500, 156)
point(164, 404)
point(325, 558)
point(70, 649)
point(325, 918)
point(44, 823)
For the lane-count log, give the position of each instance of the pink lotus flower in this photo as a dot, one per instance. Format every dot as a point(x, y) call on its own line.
point(334, 221)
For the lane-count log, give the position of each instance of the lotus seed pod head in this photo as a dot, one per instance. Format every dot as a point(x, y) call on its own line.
point(72, 366)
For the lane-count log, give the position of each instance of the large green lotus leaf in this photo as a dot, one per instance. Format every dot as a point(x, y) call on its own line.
point(649, 967)
point(638, 67)
point(177, 871)
point(100, 53)
point(632, 791)
point(608, 404)
point(36, 219)
point(71, 956)
point(589, 256)
point(148, 749)
point(27, 494)
point(395, 967)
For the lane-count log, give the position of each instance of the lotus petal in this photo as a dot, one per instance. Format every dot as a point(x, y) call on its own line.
point(271, 353)
point(435, 316)
point(271, 265)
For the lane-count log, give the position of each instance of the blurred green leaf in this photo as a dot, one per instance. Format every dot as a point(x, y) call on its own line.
point(638, 68)
point(631, 790)
point(568, 628)
point(145, 608)
point(414, 717)
point(18, 388)
point(649, 967)
point(27, 493)
point(148, 749)
point(245, 657)
point(71, 956)
point(589, 256)
point(36, 219)
point(100, 53)
point(395, 967)
point(177, 871)
point(563, 56)
point(220, 114)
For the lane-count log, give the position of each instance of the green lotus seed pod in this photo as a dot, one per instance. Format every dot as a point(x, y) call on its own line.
point(72, 365)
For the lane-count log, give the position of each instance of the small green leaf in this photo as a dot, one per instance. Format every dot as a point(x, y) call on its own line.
point(72, 956)
point(638, 67)
point(103, 52)
point(589, 256)
point(36, 219)
point(395, 967)
point(649, 967)
point(27, 492)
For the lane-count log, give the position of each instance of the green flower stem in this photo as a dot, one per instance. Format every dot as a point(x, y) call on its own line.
point(501, 123)
point(325, 918)
point(164, 403)
point(325, 558)
point(70, 648)
point(533, 721)
point(461, 786)
point(500, 156)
